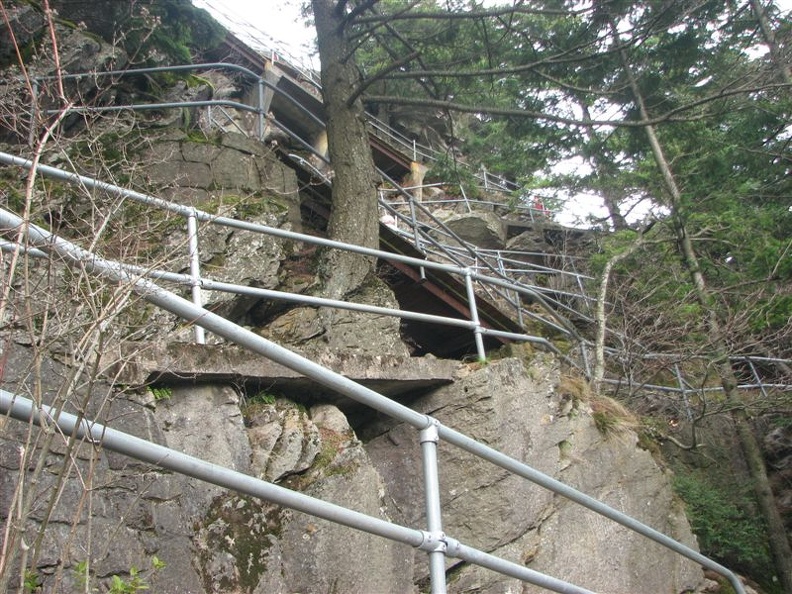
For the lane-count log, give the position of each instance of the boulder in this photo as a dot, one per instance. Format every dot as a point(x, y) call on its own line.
point(481, 228)
point(314, 331)
point(319, 556)
point(518, 412)
point(283, 440)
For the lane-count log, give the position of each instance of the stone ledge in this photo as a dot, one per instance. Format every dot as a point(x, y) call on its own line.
point(192, 363)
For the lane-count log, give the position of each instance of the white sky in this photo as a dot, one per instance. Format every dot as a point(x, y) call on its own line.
point(281, 21)
point(279, 25)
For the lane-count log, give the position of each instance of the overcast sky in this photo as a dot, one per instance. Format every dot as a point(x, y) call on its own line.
point(280, 22)
point(275, 24)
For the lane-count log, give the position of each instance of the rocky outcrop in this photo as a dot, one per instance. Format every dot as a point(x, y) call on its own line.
point(518, 412)
point(211, 540)
point(481, 228)
point(314, 331)
point(110, 514)
point(244, 545)
point(114, 516)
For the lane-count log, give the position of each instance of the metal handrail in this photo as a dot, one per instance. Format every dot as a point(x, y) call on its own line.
point(434, 541)
point(198, 282)
point(431, 542)
point(396, 138)
point(204, 318)
point(420, 236)
point(424, 241)
point(191, 213)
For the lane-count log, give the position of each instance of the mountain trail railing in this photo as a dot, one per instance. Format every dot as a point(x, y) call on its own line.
point(498, 288)
point(422, 234)
point(486, 180)
point(433, 541)
point(194, 216)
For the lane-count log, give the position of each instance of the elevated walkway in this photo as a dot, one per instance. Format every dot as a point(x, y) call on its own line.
point(429, 288)
point(428, 291)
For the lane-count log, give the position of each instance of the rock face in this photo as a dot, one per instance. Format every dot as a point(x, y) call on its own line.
point(215, 541)
point(244, 545)
point(110, 514)
point(504, 407)
point(481, 228)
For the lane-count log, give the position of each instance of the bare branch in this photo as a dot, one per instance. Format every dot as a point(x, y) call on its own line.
point(379, 76)
point(473, 14)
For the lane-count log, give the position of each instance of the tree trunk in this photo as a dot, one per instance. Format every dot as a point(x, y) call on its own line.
point(353, 217)
point(601, 317)
point(779, 542)
point(609, 199)
point(770, 40)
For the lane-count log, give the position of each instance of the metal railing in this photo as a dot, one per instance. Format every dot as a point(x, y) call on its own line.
point(422, 234)
point(433, 540)
point(502, 279)
point(259, 110)
point(487, 181)
point(197, 282)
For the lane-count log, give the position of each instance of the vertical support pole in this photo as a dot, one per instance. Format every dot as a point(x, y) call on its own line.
point(683, 388)
point(586, 302)
point(757, 377)
point(467, 202)
point(429, 438)
point(195, 270)
point(415, 151)
point(514, 294)
point(474, 317)
point(260, 109)
point(33, 113)
point(416, 232)
point(584, 355)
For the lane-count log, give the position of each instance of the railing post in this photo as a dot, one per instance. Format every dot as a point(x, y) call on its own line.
point(684, 390)
point(467, 202)
point(584, 356)
point(33, 112)
point(471, 295)
point(416, 232)
point(757, 377)
point(436, 547)
point(514, 294)
point(195, 269)
point(260, 108)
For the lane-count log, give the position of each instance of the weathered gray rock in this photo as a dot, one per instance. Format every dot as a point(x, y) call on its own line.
point(319, 556)
point(204, 421)
point(176, 362)
point(529, 246)
point(214, 541)
point(315, 331)
point(283, 440)
point(517, 412)
point(112, 513)
point(481, 228)
point(245, 545)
